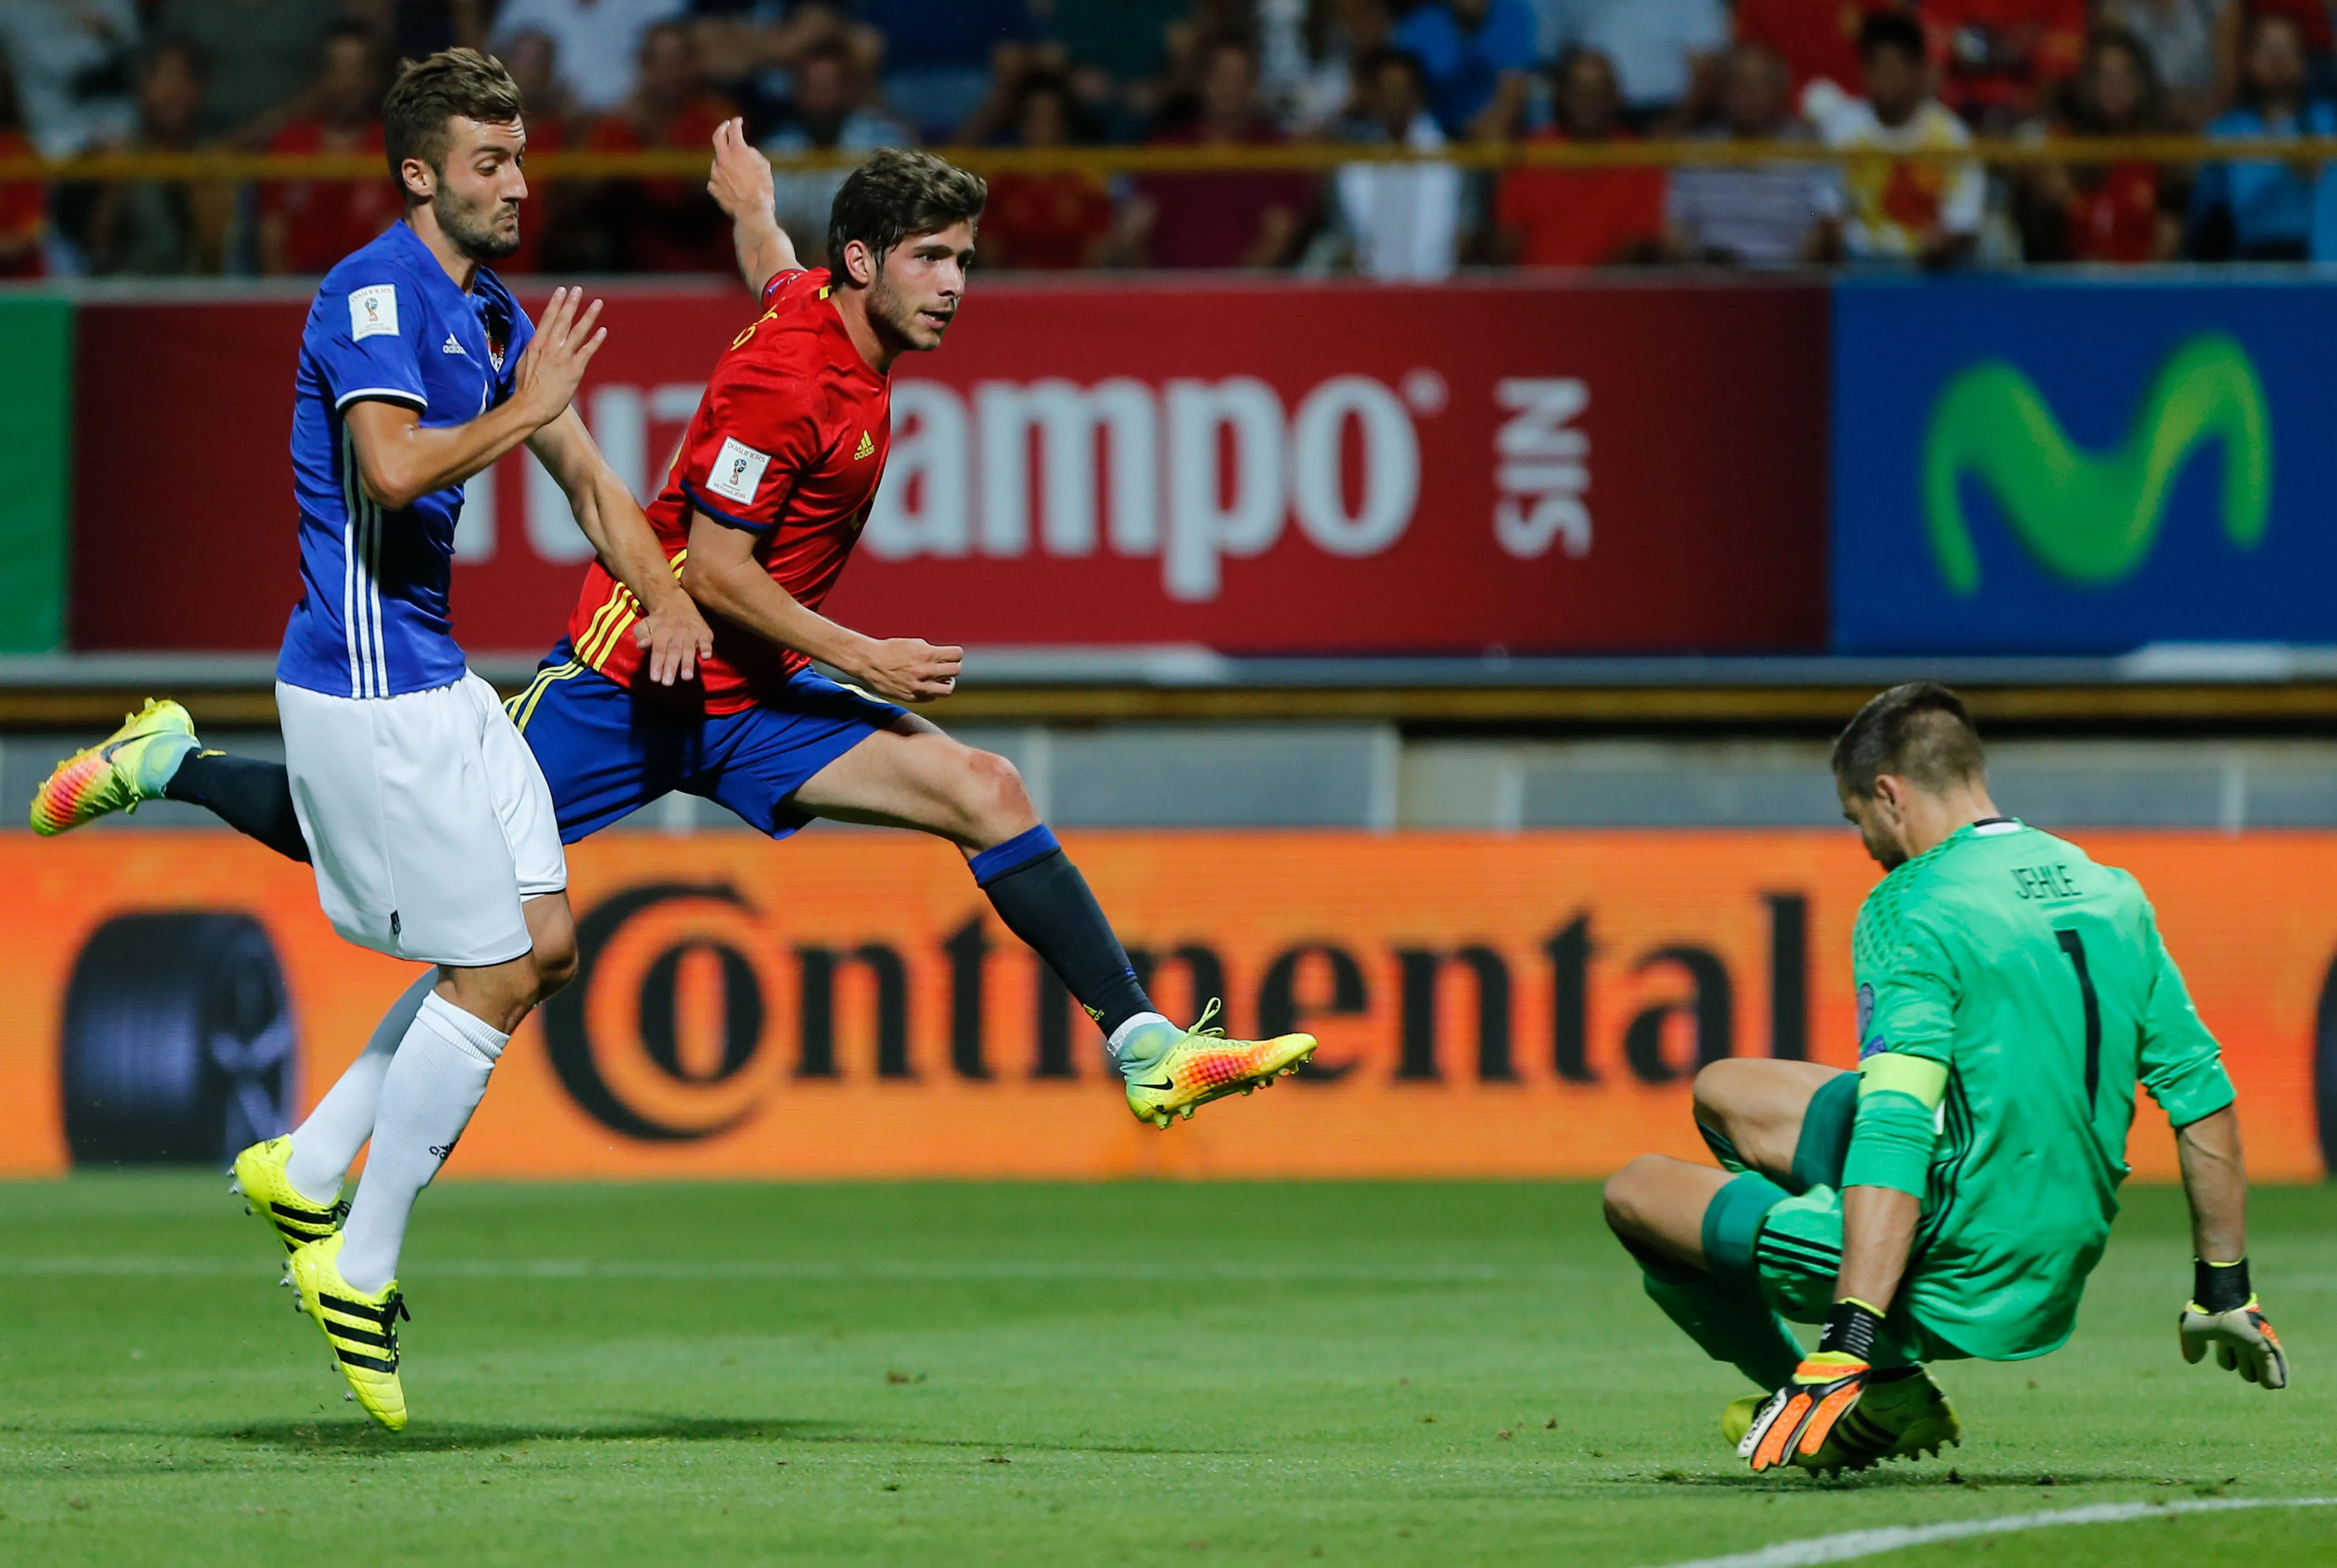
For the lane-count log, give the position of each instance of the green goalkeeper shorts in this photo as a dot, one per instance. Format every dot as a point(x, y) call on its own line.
point(1788, 1244)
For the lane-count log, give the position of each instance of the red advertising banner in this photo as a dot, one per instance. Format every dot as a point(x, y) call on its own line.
point(1528, 1005)
point(1268, 467)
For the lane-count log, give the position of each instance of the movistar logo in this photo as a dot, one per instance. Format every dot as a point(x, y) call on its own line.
point(2088, 520)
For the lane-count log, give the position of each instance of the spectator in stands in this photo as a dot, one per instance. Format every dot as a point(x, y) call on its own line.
point(75, 62)
point(1480, 57)
point(598, 42)
point(1343, 39)
point(533, 60)
point(1397, 221)
point(939, 54)
point(1757, 214)
point(667, 225)
point(2126, 211)
point(830, 114)
point(1050, 222)
point(1580, 217)
point(1229, 219)
point(24, 203)
point(1902, 210)
point(1666, 54)
point(164, 229)
point(2260, 211)
point(1817, 39)
point(2194, 45)
point(306, 226)
point(264, 56)
point(2003, 58)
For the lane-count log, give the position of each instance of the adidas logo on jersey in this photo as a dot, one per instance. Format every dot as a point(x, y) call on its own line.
point(450, 346)
point(866, 448)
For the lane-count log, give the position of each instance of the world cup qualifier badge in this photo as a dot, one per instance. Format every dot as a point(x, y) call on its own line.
point(1867, 1046)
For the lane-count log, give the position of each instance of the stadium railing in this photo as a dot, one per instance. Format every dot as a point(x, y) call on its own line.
point(1320, 156)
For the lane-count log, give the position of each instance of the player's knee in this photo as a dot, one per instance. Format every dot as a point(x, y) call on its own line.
point(1624, 1196)
point(1720, 1089)
point(555, 964)
point(996, 803)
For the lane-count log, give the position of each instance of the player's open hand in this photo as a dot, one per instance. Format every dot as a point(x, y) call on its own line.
point(553, 366)
point(741, 180)
point(2241, 1339)
point(674, 637)
point(908, 669)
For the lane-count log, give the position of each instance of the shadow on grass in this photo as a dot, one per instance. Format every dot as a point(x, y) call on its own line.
point(1944, 1478)
point(360, 1437)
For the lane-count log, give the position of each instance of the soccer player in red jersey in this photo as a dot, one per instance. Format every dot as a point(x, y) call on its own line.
point(757, 517)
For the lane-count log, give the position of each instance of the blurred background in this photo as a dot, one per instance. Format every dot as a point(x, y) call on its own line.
point(1436, 472)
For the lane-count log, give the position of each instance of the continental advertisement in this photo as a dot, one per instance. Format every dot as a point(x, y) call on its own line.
point(2082, 467)
point(1340, 468)
point(845, 1007)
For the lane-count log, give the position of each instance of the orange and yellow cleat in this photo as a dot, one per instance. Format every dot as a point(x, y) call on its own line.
point(129, 766)
point(1182, 1070)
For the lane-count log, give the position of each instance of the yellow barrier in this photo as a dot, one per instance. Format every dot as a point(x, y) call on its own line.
point(1316, 156)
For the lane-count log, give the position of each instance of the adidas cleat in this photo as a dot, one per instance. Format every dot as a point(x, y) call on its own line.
point(361, 1330)
point(296, 1219)
point(1905, 1418)
point(1190, 1067)
point(126, 768)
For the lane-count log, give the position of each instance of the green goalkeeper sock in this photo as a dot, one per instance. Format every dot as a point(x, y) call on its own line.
point(1732, 1323)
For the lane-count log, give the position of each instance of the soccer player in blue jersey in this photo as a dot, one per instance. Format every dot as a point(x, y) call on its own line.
point(428, 823)
point(755, 522)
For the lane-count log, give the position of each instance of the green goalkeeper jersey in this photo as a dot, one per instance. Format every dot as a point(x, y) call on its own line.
point(2012, 994)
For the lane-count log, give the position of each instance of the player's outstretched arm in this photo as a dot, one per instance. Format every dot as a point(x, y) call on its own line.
point(741, 186)
point(723, 575)
point(671, 628)
point(2223, 1314)
point(399, 462)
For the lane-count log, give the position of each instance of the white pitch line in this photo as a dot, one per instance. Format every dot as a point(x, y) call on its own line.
point(1856, 1543)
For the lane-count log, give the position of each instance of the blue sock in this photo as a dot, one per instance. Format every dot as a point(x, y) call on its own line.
point(1043, 900)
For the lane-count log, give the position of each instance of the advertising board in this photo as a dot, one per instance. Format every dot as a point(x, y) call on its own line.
point(1258, 468)
point(1528, 1005)
point(2082, 466)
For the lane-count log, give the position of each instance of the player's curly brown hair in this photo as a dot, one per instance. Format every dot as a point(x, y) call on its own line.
point(427, 93)
point(898, 193)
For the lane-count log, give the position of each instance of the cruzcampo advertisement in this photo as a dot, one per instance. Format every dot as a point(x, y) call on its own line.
point(2083, 468)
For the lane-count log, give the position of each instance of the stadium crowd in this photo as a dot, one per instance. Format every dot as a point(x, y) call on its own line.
point(617, 75)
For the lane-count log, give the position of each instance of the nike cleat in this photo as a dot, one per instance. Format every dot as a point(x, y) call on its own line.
point(1905, 1418)
point(1188, 1068)
point(118, 774)
point(295, 1219)
point(361, 1330)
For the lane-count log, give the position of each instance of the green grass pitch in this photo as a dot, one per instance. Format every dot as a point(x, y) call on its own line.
point(1138, 1373)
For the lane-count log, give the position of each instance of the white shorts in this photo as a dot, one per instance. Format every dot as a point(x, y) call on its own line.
point(427, 820)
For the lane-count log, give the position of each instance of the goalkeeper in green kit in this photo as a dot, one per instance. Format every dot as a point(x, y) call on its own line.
point(1949, 1198)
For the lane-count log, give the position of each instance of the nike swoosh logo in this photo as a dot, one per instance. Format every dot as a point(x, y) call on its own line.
point(1163, 1084)
point(2087, 519)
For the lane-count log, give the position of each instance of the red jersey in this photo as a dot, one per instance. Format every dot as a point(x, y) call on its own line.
point(788, 444)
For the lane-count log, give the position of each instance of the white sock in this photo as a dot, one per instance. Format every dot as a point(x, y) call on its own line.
point(1118, 1043)
point(434, 1081)
point(325, 1144)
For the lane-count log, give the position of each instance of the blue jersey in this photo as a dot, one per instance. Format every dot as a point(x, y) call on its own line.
point(388, 323)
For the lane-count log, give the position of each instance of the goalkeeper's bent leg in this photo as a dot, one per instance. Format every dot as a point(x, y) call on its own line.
point(1680, 1222)
point(1730, 1322)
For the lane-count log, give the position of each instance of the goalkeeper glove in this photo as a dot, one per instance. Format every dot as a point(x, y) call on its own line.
point(2231, 1324)
point(1800, 1419)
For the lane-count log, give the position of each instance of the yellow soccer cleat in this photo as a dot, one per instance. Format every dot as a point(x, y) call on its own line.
point(127, 767)
point(1905, 1418)
point(295, 1219)
point(1185, 1069)
point(362, 1329)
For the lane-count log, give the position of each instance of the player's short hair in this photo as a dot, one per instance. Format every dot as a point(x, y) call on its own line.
point(452, 83)
point(1892, 30)
point(1920, 732)
point(895, 194)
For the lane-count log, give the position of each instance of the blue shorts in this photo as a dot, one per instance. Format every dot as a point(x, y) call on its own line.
point(606, 752)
